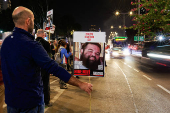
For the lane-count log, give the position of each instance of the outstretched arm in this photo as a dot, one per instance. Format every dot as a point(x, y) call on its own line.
point(82, 85)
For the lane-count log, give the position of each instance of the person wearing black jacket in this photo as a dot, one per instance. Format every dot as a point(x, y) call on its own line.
point(44, 74)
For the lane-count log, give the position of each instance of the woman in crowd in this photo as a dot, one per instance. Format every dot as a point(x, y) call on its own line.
point(61, 48)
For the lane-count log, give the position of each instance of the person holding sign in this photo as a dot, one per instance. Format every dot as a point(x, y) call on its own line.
point(21, 60)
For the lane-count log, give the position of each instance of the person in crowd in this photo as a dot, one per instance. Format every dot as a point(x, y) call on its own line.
point(21, 60)
point(53, 48)
point(61, 47)
point(107, 47)
point(105, 64)
point(90, 56)
point(2, 94)
point(44, 73)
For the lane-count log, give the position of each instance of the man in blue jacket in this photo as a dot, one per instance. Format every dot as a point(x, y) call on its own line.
point(21, 59)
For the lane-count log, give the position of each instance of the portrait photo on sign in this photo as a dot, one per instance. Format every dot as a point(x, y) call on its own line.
point(89, 56)
point(49, 23)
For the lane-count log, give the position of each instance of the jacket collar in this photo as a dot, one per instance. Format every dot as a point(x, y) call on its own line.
point(16, 29)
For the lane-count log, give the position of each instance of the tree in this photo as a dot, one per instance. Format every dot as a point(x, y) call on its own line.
point(156, 19)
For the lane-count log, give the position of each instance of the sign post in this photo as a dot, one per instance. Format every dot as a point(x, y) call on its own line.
point(89, 54)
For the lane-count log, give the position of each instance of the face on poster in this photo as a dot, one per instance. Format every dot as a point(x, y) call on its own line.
point(48, 25)
point(89, 53)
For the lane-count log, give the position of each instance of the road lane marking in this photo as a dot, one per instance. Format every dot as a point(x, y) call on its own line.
point(163, 88)
point(136, 110)
point(129, 66)
point(53, 81)
point(59, 92)
point(136, 70)
point(147, 77)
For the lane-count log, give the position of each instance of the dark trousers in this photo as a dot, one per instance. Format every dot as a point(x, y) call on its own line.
point(37, 109)
point(69, 65)
point(46, 85)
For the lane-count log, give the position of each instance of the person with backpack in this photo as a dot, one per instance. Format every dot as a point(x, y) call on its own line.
point(61, 58)
point(44, 74)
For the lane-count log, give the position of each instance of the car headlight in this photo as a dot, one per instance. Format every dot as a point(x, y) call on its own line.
point(115, 53)
point(126, 52)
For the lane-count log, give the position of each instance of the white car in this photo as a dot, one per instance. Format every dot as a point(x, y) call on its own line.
point(119, 52)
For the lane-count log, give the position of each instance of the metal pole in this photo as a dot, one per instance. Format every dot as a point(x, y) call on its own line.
point(138, 14)
point(47, 5)
point(49, 36)
point(124, 23)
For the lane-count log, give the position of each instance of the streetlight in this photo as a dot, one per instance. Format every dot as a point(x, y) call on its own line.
point(117, 13)
point(131, 13)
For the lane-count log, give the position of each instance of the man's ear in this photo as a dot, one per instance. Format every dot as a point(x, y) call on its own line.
point(81, 51)
point(28, 21)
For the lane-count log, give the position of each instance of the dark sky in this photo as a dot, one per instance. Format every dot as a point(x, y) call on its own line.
point(93, 12)
point(90, 12)
point(96, 12)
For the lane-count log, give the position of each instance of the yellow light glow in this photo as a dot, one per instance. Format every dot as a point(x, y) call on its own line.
point(120, 39)
point(131, 13)
point(117, 13)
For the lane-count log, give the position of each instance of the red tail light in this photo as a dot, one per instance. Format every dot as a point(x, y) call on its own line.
point(161, 64)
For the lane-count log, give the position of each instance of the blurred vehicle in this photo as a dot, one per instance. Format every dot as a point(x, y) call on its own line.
point(119, 52)
point(156, 54)
point(151, 46)
point(136, 46)
point(133, 47)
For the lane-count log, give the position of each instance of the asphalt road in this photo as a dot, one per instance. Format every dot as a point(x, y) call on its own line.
point(128, 87)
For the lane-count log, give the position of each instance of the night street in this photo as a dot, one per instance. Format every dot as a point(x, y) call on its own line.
point(128, 87)
point(117, 50)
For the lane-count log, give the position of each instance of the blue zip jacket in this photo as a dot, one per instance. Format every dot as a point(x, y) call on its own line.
point(64, 52)
point(21, 59)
